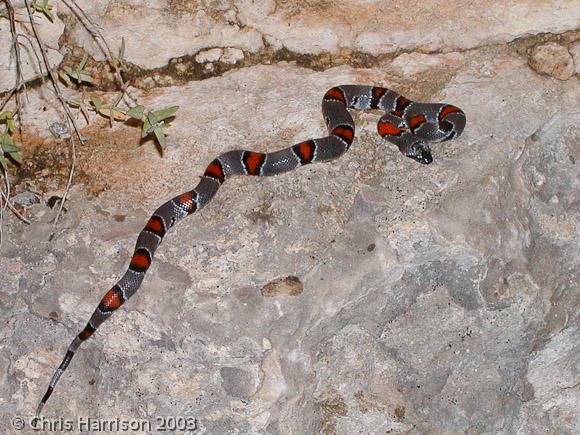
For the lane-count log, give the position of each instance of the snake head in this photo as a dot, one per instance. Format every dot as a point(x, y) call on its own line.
point(420, 152)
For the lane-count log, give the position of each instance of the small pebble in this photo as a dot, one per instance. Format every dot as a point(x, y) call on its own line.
point(552, 59)
point(232, 56)
point(59, 130)
point(211, 55)
point(288, 286)
point(25, 199)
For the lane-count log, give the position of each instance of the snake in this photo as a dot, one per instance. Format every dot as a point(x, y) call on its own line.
point(408, 124)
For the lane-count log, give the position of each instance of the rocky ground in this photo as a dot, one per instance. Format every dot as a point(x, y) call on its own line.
point(368, 295)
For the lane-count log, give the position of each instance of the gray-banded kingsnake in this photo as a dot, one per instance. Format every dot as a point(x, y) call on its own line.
point(407, 124)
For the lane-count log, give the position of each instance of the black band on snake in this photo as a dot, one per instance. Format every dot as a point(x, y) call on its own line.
point(407, 124)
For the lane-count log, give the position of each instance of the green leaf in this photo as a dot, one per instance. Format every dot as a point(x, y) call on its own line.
point(83, 62)
point(165, 113)
point(6, 143)
point(112, 113)
point(9, 148)
point(96, 101)
point(146, 129)
point(78, 74)
point(5, 116)
point(152, 118)
point(117, 99)
point(16, 156)
point(119, 60)
point(64, 77)
point(136, 112)
point(44, 8)
point(85, 77)
point(3, 162)
point(10, 125)
point(160, 137)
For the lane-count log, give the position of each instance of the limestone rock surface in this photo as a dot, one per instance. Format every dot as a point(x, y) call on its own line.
point(159, 30)
point(366, 295)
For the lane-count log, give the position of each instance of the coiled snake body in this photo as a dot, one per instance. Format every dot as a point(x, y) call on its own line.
point(407, 124)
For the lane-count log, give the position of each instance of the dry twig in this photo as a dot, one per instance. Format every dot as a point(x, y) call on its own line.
point(15, 91)
point(98, 37)
point(70, 119)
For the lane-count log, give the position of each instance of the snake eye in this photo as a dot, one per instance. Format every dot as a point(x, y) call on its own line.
point(420, 152)
point(426, 158)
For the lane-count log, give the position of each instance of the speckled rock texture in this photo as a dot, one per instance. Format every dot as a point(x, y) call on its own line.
point(368, 295)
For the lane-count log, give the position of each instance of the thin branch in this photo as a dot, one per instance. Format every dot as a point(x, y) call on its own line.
point(22, 35)
point(7, 97)
point(71, 121)
point(15, 91)
point(3, 207)
point(16, 46)
point(70, 177)
point(98, 37)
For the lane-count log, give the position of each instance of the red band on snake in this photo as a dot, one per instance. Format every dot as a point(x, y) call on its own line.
point(407, 124)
